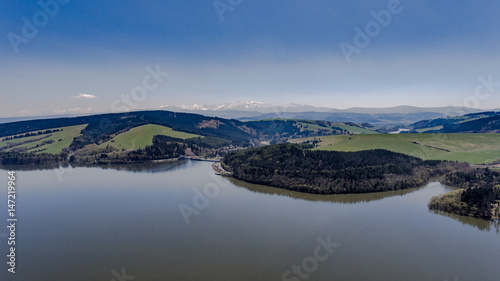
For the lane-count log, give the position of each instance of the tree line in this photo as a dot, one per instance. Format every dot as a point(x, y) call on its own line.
point(31, 134)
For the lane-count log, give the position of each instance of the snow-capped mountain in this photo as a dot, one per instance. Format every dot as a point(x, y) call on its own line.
point(244, 106)
point(253, 106)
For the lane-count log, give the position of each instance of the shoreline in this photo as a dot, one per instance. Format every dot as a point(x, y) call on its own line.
point(220, 171)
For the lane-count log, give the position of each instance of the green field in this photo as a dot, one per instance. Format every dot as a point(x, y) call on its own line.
point(61, 140)
point(472, 148)
point(142, 136)
point(354, 129)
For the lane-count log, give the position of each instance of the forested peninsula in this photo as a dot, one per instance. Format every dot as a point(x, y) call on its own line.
point(291, 167)
point(478, 194)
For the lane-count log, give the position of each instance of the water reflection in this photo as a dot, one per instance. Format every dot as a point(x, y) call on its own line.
point(481, 224)
point(147, 167)
point(131, 220)
point(161, 167)
point(336, 198)
point(32, 167)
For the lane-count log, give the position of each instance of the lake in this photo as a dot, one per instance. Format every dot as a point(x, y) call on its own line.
point(178, 221)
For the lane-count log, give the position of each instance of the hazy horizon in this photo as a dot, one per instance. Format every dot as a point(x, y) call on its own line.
point(199, 111)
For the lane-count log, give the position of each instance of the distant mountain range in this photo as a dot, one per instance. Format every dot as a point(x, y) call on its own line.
point(251, 106)
point(254, 110)
point(261, 107)
point(15, 119)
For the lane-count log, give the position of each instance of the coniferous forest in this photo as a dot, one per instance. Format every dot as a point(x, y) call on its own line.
point(478, 196)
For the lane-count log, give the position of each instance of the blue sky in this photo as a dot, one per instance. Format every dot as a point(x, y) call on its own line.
point(86, 55)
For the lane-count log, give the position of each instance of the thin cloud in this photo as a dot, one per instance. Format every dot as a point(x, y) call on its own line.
point(84, 96)
point(74, 110)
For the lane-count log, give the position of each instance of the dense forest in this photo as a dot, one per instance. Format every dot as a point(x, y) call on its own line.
point(479, 195)
point(31, 134)
point(165, 147)
point(290, 167)
point(25, 158)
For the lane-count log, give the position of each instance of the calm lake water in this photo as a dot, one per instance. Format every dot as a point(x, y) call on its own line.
point(95, 223)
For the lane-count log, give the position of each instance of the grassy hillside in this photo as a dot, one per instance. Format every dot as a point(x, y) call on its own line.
point(142, 136)
point(472, 148)
point(483, 122)
point(315, 126)
point(102, 127)
point(354, 129)
point(46, 144)
point(310, 127)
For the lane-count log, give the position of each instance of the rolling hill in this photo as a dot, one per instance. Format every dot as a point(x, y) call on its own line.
point(471, 148)
point(109, 137)
point(41, 142)
point(106, 134)
point(103, 128)
point(142, 136)
point(483, 122)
